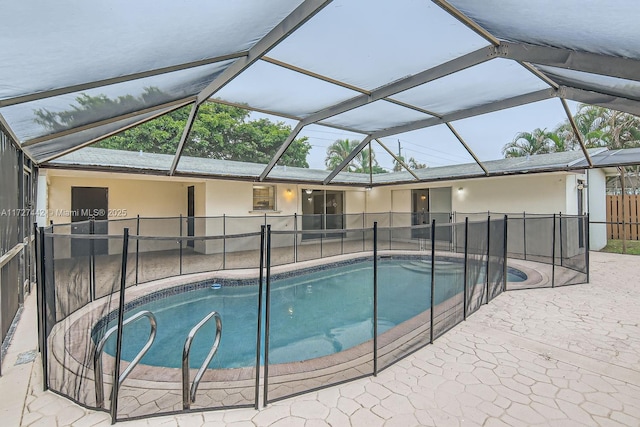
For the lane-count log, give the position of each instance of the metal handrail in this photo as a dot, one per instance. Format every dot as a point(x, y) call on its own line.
point(189, 393)
point(97, 357)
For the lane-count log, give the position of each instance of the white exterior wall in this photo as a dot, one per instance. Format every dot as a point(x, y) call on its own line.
point(597, 208)
point(126, 197)
point(42, 199)
point(157, 196)
point(164, 196)
point(536, 193)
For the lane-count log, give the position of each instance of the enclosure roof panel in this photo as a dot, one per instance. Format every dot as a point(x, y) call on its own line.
point(371, 43)
point(265, 86)
point(74, 72)
point(71, 42)
point(609, 29)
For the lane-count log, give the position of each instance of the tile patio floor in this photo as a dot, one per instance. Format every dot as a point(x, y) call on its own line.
point(561, 357)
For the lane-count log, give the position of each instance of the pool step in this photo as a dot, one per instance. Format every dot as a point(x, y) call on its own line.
point(442, 267)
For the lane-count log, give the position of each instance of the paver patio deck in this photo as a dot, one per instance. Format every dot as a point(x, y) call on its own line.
point(564, 356)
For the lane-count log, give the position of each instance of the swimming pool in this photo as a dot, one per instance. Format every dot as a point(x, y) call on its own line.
point(313, 314)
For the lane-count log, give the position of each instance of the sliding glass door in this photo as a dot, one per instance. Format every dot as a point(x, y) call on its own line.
point(322, 210)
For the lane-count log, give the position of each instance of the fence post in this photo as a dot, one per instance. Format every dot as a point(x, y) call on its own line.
point(524, 233)
point(553, 253)
point(295, 237)
point(224, 242)
point(375, 298)
point(267, 318)
point(322, 233)
point(116, 374)
point(451, 233)
point(433, 276)
point(486, 299)
point(506, 254)
point(342, 238)
point(259, 336)
point(587, 245)
point(466, 265)
point(137, 244)
point(42, 311)
point(363, 223)
point(181, 244)
point(560, 234)
point(92, 261)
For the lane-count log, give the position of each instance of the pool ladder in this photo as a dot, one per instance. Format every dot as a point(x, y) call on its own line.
point(97, 356)
point(189, 393)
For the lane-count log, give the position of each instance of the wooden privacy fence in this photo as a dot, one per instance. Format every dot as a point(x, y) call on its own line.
point(631, 218)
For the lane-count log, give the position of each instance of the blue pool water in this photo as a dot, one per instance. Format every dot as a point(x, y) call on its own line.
point(312, 315)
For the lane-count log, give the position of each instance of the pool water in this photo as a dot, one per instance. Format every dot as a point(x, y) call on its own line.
point(312, 315)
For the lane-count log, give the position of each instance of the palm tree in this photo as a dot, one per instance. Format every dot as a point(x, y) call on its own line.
point(338, 151)
point(602, 127)
point(540, 141)
point(412, 163)
point(590, 121)
point(598, 126)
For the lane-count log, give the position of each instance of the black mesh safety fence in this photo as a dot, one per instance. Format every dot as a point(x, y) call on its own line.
point(404, 292)
point(448, 276)
point(202, 335)
point(201, 254)
point(496, 262)
point(540, 239)
point(383, 219)
point(10, 205)
point(79, 314)
point(538, 252)
point(516, 236)
point(9, 293)
point(319, 325)
point(571, 260)
point(12, 213)
point(411, 238)
point(333, 238)
point(477, 256)
point(310, 245)
point(400, 288)
point(78, 293)
point(157, 257)
point(284, 246)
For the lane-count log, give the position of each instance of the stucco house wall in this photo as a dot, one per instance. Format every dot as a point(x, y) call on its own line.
point(156, 196)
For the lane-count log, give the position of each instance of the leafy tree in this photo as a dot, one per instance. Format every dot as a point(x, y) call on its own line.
point(219, 131)
point(340, 150)
point(89, 108)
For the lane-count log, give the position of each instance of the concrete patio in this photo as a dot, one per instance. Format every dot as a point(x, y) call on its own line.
point(564, 356)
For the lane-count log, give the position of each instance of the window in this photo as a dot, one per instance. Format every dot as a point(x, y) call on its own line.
point(264, 198)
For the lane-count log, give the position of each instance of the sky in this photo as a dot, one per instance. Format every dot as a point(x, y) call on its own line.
point(486, 135)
